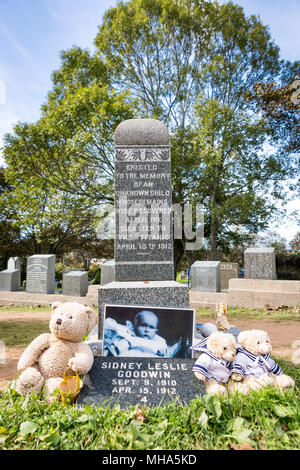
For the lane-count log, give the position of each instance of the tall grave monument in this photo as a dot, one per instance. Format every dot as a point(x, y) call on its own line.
point(144, 264)
point(143, 202)
point(144, 271)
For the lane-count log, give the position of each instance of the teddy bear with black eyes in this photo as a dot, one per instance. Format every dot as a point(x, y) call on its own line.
point(213, 366)
point(253, 367)
point(47, 357)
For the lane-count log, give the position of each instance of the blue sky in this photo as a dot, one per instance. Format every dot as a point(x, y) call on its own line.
point(32, 32)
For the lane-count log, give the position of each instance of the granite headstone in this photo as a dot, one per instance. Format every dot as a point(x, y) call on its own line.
point(107, 272)
point(143, 201)
point(145, 381)
point(75, 283)
point(15, 263)
point(206, 276)
point(10, 280)
point(40, 274)
point(260, 263)
point(228, 271)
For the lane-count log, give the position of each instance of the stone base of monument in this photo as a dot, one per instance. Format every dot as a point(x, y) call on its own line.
point(145, 381)
point(170, 294)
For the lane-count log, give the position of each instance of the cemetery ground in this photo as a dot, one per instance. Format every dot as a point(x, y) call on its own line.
point(263, 420)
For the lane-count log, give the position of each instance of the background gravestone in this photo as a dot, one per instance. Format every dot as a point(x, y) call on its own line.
point(107, 272)
point(206, 276)
point(40, 274)
point(143, 201)
point(15, 263)
point(260, 263)
point(75, 283)
point(228, 271)
point(9, 280)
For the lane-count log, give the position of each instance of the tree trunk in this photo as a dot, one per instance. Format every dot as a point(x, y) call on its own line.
point(213, 228)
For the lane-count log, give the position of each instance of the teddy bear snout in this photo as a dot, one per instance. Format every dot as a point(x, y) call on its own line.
point(58, 321)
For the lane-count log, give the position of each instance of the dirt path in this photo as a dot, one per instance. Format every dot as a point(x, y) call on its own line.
point(282, 335)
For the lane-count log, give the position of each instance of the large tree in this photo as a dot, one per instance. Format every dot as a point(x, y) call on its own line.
point(189, 63)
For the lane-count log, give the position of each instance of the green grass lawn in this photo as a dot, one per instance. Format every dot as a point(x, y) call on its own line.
point(263, 420)
point(21, 333)
point(25, 308)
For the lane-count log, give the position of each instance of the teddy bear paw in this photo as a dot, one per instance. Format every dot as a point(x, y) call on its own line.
point(213, 388)
point(30, 381)
point(284, 381)
point(52, 389)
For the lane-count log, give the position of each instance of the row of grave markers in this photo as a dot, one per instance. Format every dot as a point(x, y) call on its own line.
point(206, 276)
point(40, 277)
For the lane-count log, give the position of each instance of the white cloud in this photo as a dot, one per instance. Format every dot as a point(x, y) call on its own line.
point(12, 39)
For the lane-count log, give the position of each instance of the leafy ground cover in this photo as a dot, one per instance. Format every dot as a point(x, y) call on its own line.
point(263, 420)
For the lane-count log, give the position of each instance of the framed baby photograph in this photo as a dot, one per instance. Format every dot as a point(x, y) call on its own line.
point(144, 331)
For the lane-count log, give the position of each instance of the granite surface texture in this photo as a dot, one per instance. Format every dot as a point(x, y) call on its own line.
point(144, 381)
point(107, 272)
point(151, 293)
point(142, 132)
point(143, 202)
point(228, 271)
point(15, 263)
point(206, 276)
point(75, 283)
point(260, 263)
point(10, 280)
point(41, 274)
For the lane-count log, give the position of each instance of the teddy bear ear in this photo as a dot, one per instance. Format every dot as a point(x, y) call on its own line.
point(55, 305)
point(242, 337)
point(92, 318)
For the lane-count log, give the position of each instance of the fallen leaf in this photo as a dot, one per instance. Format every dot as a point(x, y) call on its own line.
point(139, 416)
point(245, 446)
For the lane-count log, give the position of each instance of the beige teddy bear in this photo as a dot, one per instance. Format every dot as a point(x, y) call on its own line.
point(49, 355)
point(214, 365)
point(253, 368)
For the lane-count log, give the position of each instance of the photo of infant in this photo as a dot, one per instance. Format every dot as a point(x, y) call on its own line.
point(147, 332)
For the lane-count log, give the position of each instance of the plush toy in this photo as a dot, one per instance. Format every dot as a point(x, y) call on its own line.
point(47, 357)
point(213, 366)
point(253, 368)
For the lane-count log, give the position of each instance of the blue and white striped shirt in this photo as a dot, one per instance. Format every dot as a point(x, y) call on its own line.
point(246, 363)
point(211, 366)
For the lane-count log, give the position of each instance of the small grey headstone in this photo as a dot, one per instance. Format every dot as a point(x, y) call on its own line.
point(144, 381)
point(260, 263)
point(9, 280)
point(75, 283)
point(15, 263)
point(206, 276)
point(228, 271)
point(107, 272)
point(40, 274)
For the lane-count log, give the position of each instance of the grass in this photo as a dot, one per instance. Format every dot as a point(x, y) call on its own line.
point(246, 313)
point(263, 420)
point(25, 308)
point(21, 333)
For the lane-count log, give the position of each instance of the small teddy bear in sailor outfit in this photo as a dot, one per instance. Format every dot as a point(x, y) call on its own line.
point(253, 367)
point(214, 365)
